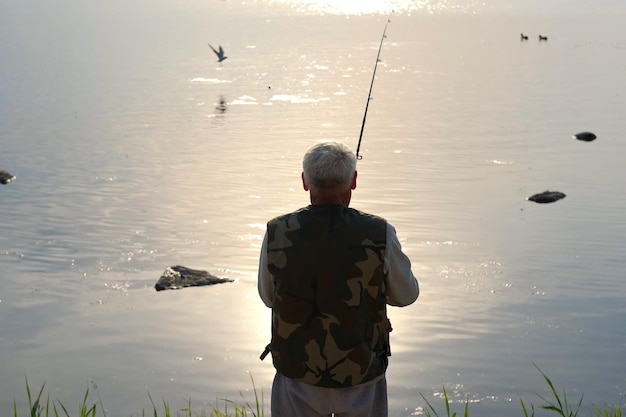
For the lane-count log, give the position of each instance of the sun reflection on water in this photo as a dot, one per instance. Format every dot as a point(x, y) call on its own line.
point(364, 7)
point(354, 7)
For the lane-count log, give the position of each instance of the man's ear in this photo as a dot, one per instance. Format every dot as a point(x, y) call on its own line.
point(353, 185)
point(304, 185)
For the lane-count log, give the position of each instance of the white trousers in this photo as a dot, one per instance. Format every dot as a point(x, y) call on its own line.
point(295, 399)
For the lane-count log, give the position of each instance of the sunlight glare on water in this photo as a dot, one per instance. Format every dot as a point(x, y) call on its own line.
point(363, 7)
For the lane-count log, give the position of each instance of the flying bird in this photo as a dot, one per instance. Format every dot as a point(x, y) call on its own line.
point(219, 53)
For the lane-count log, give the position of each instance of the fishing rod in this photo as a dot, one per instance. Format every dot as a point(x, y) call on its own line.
point(369, 96)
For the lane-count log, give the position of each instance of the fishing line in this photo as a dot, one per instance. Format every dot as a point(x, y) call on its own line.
point(369, 95)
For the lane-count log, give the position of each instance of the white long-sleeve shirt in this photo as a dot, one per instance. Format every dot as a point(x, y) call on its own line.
point(401, 285)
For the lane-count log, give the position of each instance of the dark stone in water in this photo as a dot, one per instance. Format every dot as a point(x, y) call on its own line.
point(546, 197)
point(585, 136)
point(176, 277)
point(6, 177)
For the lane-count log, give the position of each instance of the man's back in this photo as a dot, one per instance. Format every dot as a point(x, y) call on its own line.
point(330, 325)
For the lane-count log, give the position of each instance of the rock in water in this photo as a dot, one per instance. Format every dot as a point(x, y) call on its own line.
point(546, 197)
point(585, 136)
point(6, 177)
point(176, 277)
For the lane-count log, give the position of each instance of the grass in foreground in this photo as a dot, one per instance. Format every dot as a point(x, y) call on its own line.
point(38, 407)
point(559, 404)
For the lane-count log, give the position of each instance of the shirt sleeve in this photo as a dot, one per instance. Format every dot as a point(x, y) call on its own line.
point(266, 279)
point(402, 286)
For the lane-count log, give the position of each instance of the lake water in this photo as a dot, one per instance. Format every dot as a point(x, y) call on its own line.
point(110, 118)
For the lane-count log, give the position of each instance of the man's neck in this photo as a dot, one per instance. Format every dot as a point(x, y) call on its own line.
point(331, 198)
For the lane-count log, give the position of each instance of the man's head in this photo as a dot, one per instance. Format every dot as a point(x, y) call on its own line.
point(329, 172)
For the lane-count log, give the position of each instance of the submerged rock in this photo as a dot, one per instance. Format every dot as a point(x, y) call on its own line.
point(546, 197)
point(176, 277)
point(6, 177)
point(585, 136)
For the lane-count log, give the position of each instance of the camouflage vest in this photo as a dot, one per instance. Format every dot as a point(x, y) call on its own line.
point(329, 319)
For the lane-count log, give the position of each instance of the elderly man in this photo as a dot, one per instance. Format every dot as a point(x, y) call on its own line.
point(328, 271)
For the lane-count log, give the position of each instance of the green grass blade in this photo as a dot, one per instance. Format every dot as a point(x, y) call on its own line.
point(445, 397)
point(153, 406)
point(525, 410)
point(258, 403)
point(63, 408)
point(562, 407)
point(430, 407)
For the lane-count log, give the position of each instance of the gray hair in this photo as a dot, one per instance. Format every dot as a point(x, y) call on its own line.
point(329, 164)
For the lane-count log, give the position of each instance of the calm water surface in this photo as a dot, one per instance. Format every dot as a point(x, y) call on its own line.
point(125, 165)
